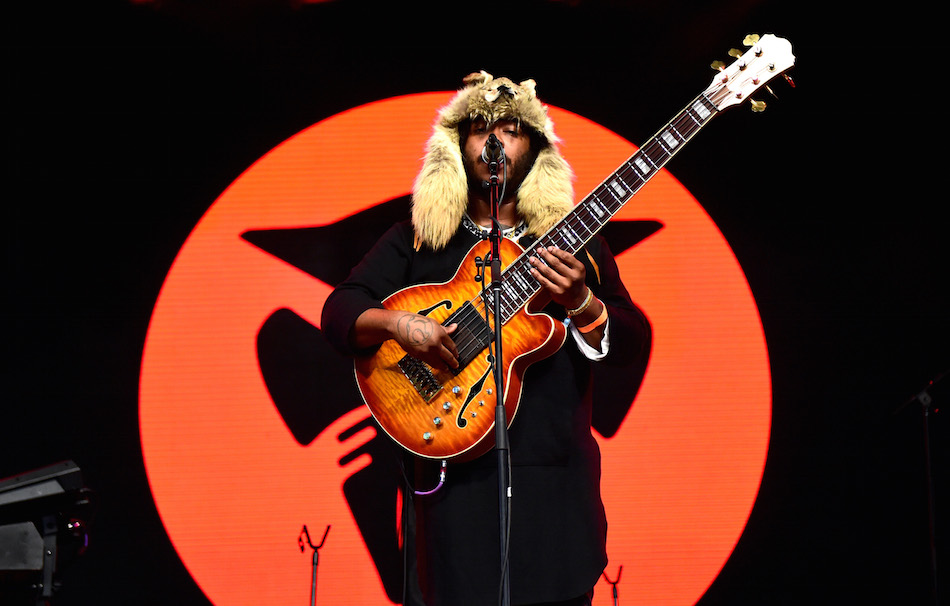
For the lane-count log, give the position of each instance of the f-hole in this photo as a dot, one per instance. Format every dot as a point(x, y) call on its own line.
point(428, 310)
point(473, 391)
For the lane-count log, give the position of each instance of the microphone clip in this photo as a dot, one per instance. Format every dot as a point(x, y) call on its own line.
point(494, 150)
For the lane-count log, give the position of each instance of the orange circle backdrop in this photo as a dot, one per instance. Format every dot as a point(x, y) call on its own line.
point(231, 484)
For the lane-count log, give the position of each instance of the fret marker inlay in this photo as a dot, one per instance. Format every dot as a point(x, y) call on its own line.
point(619, 189)
point(700, 110)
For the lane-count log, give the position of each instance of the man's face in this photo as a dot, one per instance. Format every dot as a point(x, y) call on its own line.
point(518, 156)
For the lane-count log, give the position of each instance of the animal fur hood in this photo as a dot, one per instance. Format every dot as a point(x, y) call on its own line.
point(440, 191)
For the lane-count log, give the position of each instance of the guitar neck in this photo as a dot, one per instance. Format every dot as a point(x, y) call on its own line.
point(588, 217)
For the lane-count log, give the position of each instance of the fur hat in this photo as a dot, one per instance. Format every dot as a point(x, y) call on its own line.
point(440, 191)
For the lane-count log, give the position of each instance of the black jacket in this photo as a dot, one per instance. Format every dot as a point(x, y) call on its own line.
point(558, 524)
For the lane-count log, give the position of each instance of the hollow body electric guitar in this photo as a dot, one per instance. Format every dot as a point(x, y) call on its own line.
point(450, 415)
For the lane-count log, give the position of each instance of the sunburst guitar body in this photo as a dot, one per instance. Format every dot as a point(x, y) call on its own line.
point(444, 414)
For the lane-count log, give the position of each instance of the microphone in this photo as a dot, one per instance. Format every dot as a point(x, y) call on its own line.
point(494, 150)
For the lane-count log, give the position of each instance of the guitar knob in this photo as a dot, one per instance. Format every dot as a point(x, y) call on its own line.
point(446, 406)
point(437, 421)
point(427, 436)
point(456, 390)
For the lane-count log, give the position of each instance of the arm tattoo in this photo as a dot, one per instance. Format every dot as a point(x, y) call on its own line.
point(416, 329)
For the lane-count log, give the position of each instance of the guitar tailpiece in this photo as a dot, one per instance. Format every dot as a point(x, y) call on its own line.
point(441, 483)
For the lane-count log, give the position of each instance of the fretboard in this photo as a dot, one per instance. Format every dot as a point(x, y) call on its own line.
point(587, 218)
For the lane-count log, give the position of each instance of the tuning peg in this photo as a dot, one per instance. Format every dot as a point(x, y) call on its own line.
point(718, 65)
point(750, 40)
point(757, 106)
point(735, 52)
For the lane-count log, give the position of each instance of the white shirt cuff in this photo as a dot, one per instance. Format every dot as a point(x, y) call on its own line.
point(590, 352)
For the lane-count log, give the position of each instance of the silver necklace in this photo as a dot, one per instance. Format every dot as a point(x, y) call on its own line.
point(512, 233)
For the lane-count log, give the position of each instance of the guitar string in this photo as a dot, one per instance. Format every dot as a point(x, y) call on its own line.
point(683, 127)
point(625, 181)
point(571, 238)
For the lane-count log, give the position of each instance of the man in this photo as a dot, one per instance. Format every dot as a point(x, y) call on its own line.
point(558, 525)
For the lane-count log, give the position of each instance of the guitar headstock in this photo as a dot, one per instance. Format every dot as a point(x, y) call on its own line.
point(768, 57)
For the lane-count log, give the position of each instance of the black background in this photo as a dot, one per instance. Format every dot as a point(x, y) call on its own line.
point(125, 121)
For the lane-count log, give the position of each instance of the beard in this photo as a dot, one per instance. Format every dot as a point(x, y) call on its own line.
point(513, 172)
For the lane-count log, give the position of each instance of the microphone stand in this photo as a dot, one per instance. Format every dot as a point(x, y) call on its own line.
point(315, 559)
point(926, 400)
point(613, 584)
point(501, 417)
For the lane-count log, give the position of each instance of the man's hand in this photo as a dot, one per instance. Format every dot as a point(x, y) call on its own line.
point(421, 337)
point(560, 274)
point(562, 277)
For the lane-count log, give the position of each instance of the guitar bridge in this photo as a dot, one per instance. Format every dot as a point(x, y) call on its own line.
point(420, 377)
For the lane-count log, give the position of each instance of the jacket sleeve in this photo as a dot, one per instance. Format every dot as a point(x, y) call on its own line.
point(379, 274)
point(630, 332)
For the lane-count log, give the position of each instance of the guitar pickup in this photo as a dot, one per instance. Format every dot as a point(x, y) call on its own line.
point(472, 335)
point(420, 377)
